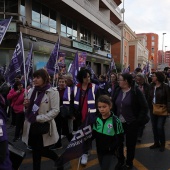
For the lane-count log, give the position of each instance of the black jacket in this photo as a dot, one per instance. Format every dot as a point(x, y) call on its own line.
point(162, 95)
point(139, 105)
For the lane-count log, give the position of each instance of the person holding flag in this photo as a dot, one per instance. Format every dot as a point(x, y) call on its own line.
point(42, 106)
point(83, 100)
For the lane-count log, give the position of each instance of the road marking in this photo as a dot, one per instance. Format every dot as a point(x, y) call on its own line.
point(74, 163)
point(138, 165)
point(29, 160)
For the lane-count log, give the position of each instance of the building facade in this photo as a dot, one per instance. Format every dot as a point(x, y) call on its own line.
point(167, 58)
point(83, 25)
point(152, 46)
point(131, 50)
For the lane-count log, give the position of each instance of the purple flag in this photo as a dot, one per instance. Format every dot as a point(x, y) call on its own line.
point(93, 75)
point(111, 67)
point(16, 63)
point(74, 68)
point(52, 65)
point(81, 142)
point(82, 59)
point(146, 69)
point(126, 70)
point(29, 66)
point(61, 59)
point(4, 24)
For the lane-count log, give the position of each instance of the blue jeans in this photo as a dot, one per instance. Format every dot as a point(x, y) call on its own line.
point(158, 123)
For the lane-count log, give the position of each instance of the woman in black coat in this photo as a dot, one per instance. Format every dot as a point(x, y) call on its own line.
point(130, 105)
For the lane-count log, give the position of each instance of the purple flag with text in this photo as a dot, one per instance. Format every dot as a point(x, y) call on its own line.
point(80, 143)
point(29, 66)
point(4, 24)
point(52, 65)
point(74, 68)
point(93, 75)
point(16, 63)
point(146, 69)
point(82, 59)
point(126, 70)
point(111, 67)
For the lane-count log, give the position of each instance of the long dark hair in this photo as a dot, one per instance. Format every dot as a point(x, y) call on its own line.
point(43, 74)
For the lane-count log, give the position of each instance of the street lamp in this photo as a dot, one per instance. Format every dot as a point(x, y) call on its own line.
point(122, 38)
point(162, 48)
point(165, 53)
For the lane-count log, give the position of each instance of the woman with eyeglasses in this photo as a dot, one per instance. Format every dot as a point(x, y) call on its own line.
point(130, 105)
point(83, 101)
point(159, 94)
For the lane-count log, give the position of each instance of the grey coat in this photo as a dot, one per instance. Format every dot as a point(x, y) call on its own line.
point(49, 109)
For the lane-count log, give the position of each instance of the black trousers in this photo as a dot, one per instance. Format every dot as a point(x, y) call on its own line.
point(13, 114)
point(130, 136)
point(58, 121)
point(19, 124)
point(38, 150)
point(105, 160)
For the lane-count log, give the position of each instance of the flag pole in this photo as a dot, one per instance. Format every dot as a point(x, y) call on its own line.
point(56, 63)
point(25, 77)
point(27, 74)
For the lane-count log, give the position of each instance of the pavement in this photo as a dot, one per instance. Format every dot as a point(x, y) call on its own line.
point(145, 159)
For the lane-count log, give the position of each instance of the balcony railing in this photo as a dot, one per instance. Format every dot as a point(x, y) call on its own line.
point(97, 14)
point(113, 4)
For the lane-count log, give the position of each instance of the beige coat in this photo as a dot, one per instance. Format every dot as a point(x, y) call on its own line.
point(49, 109)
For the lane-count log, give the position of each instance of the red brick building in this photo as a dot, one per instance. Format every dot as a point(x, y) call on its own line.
point(167, 57)
point(152, 46)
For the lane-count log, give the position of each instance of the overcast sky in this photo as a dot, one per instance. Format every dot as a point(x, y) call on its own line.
point(149, 16)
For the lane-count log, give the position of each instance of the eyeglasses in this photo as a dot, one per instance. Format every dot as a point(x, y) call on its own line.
point(153, 76)
point(120, 80)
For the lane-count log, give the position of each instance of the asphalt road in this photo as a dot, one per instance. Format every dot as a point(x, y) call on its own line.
point(145, 159)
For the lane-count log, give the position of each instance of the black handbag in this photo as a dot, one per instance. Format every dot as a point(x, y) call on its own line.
point(38, 128)
point(64, 111)
point(16, 156)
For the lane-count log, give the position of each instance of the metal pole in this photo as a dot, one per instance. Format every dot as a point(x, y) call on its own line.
point(165, 54)
point(122, 39)
point(163, 48)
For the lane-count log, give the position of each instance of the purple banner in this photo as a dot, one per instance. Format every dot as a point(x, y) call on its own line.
point(16, 63)
point(4, 24)
point(51, 64)
point(29, 66)
point(82, 59)
point(74, 68)
point(81, 142)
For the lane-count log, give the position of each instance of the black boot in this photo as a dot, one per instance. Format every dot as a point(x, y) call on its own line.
point(155, 145)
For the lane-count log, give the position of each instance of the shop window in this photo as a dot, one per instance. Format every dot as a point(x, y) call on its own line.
point(85, 35)
point(22, 11)
point(11, 6)
point(68, 28)
point(43, 17)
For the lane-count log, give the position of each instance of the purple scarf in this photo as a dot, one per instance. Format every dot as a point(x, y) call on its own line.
point(41, 91)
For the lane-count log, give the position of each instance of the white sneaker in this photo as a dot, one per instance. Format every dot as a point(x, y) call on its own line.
point(84, 159)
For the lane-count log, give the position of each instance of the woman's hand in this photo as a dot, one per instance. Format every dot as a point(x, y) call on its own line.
point(18, 91)
point(26, 102)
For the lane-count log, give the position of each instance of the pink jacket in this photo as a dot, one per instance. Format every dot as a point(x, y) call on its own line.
point(17, 100)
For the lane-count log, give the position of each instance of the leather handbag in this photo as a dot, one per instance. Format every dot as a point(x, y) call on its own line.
point(160, 110)
point(38, 128)
point(16, 156)
point(64, 111)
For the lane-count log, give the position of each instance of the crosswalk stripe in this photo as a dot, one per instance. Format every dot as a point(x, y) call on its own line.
point(138, 165)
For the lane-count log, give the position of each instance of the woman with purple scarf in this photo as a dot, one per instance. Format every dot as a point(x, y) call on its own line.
point(42, 105)
point(5, 162)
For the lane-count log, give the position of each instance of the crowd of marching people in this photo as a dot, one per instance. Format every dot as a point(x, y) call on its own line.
point(117, 106)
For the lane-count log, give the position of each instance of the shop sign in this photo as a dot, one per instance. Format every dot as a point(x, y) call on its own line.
point(12, 27)
point(82, 46)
